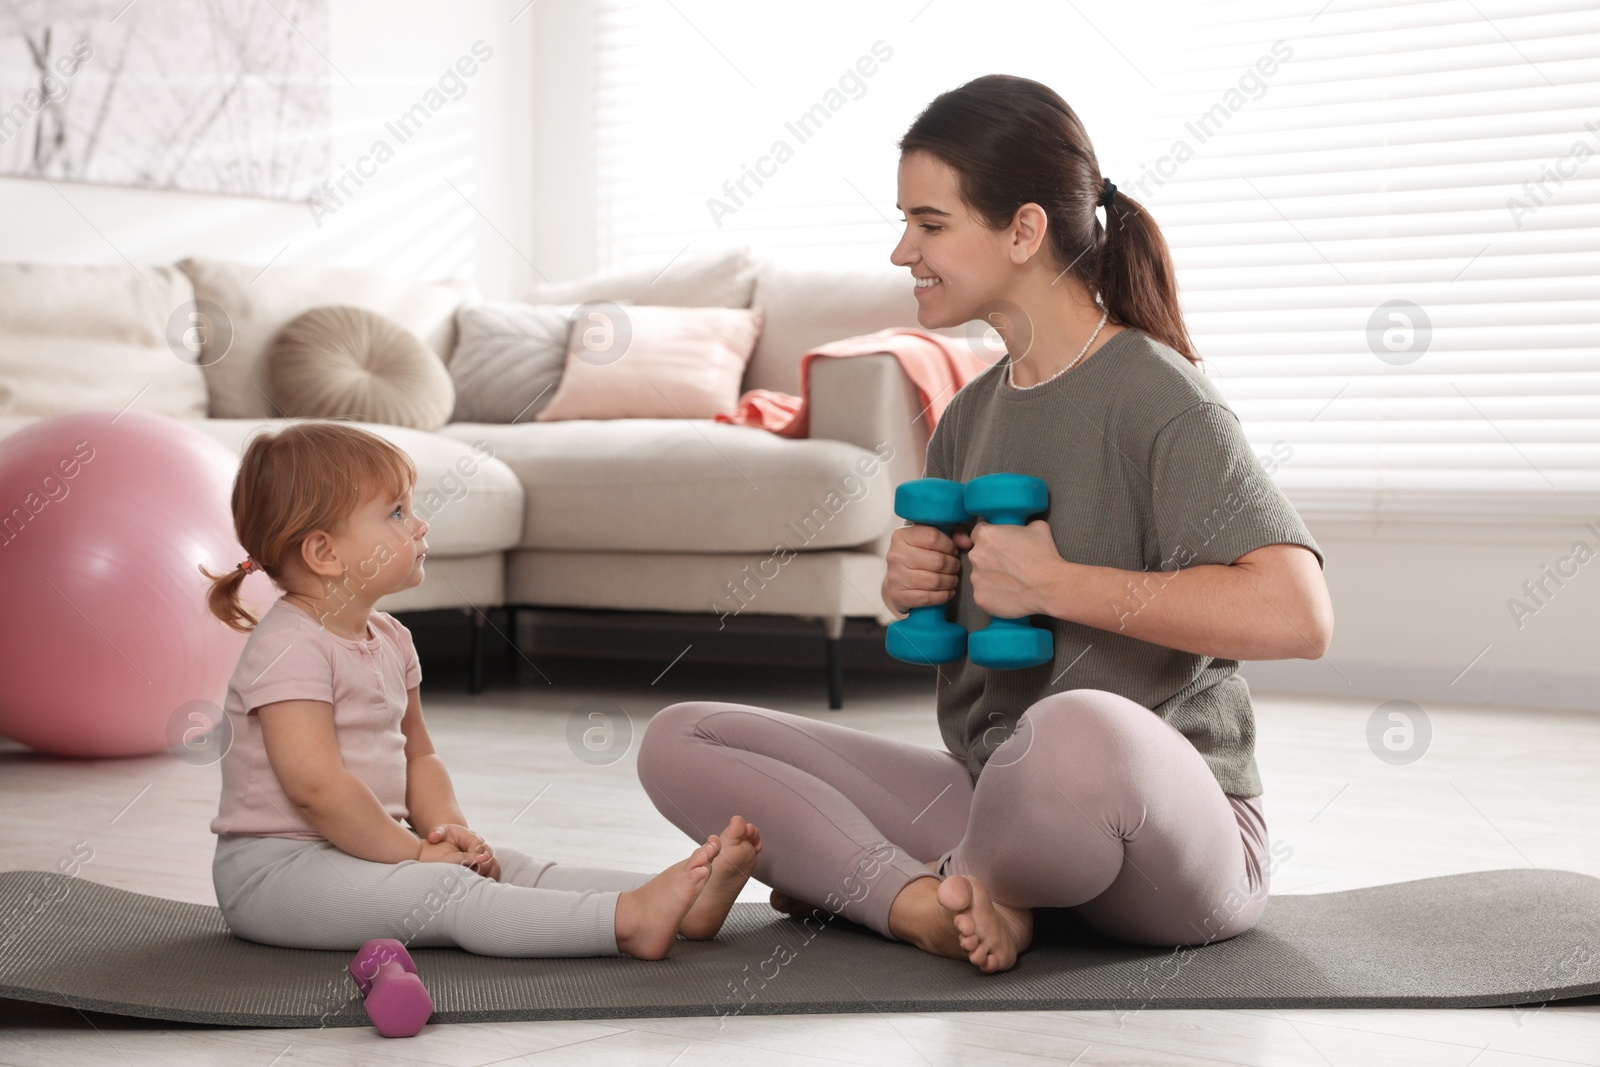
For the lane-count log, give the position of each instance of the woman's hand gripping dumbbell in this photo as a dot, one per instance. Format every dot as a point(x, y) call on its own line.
point(924, 571)
point(1010, 641)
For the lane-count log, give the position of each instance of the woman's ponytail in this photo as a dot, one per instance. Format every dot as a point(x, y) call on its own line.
point(1134, 275)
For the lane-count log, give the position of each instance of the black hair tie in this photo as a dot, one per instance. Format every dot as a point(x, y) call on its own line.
point(1106, 194)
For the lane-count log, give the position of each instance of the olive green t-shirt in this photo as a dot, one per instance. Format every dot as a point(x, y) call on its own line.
point(1148, 470)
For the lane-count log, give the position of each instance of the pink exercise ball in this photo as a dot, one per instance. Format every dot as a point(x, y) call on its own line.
point(105, 634)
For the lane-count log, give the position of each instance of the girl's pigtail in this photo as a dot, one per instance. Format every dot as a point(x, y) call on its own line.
point(224, 602)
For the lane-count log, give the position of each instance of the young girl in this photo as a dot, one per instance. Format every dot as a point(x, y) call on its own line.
point(330, 758)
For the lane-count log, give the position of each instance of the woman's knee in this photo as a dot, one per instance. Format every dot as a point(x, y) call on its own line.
point(670, 736)
point(1069, 724)
point(1093, 726)
point(1084, 709)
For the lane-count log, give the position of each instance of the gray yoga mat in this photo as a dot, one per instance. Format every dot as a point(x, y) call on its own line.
point(1489, 938)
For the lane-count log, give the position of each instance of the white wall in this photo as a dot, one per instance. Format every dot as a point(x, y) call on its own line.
point(406, 219)
point(1421, 608)
point(562, 188)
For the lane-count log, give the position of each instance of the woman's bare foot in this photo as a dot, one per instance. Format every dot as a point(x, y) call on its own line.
point(648, 917)
point(916, 917)
point(992, 934)
point(791, 906)
point(958, 919)
point(741, 842)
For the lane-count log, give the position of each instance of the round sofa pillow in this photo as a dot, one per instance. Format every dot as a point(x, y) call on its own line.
point(348, 362)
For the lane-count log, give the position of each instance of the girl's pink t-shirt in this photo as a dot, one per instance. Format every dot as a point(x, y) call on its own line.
point(291, 656)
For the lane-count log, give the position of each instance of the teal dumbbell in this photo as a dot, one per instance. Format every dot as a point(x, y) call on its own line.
point(925, 635)
point(1008, 500)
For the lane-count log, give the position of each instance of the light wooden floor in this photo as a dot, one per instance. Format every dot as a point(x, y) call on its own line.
point(1499, 788)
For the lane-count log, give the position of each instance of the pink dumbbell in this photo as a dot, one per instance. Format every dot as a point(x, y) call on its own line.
point(396, 1001)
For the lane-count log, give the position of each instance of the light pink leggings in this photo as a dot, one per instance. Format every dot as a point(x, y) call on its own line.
point(1094, 803)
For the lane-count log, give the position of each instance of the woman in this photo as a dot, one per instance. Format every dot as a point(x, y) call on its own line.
point(1118, 780)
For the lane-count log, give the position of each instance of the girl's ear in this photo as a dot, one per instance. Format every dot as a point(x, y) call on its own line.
point(318, 555)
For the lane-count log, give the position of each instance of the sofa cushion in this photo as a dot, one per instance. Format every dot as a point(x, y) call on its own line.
point(687, 485)
point(809, 306)
point(508, 359)
point(654, 363)
point(719, 279)
point(470, 499)
point(77, 337)
point(350, 363)
point(258, 303)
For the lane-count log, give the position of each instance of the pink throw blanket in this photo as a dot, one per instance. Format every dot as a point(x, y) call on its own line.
point(939, 366)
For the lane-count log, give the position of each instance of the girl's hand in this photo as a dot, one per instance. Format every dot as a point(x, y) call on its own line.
point(1013, 568)
point(475, 850)
point(443, 852)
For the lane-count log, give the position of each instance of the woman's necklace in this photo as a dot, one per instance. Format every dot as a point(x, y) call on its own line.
point(1013, 382)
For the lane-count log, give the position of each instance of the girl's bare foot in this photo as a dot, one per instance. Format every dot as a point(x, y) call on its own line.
point(648, 917)
point(992, 934)
point(740, 844)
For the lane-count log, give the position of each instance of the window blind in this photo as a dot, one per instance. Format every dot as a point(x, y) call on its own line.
point(1384, 217)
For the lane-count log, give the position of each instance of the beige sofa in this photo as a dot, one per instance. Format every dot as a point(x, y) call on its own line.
point(654, 515)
